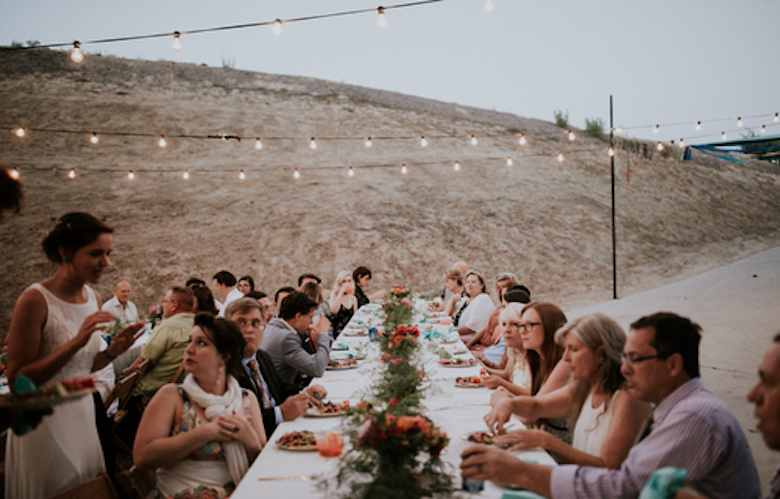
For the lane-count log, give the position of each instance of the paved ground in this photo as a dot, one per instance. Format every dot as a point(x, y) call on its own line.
point(737, 306)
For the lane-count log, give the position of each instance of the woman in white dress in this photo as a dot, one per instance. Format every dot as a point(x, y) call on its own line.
point(52, 338)
point(608, 420)
point(475, 308)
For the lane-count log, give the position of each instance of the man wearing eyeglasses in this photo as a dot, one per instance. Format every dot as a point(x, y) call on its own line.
point(692, 429)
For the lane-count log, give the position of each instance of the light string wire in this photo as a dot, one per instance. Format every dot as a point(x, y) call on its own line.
point(169, 34)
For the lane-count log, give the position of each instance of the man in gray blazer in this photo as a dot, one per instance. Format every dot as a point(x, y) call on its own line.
point(284, 335)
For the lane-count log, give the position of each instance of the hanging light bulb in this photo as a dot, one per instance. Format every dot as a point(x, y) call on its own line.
point(489, 6)
point(94, 139)
point(312, 144)
point(618, 131)
point(560, 157)
point(404, 170)
point(241, 175)
point(19, 132)
point(15, 174)
point(682, 143)
point(130, 175)
point(611, 152)
point(763, 129)
point(739, 122)
point(296, 174)
point(162, 142)
point(381, 20)
point(75, 54)
point(571, 136)
point(368, 142)
point(509, 162)
point(456, 166)
point(671, 143)
point(176, 45)
point(698, 126)
point(423, 141)
point(655, 129)
point(258, 144)
point(474, 140)
point(522, 140)
point(659, 146)
point(777, 117)
point(186, 175)
point(723, 135)
point(72, 173)
point(351, 172)
point(276, 29)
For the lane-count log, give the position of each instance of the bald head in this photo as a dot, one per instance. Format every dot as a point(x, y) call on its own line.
point(462, 266)
point(122, 292)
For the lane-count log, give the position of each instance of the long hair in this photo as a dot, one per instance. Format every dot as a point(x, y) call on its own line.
point(542, 363)
point(594, 331)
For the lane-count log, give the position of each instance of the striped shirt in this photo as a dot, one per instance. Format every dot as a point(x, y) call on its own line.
point(692, 430)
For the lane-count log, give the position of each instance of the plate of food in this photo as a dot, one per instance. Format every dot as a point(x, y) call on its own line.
point(355, 332)
point(41, 398)
point(327, 410)
point(340, 364)
point(458, 362)
point(469, 382)
point(482, 437)
point(301, 441)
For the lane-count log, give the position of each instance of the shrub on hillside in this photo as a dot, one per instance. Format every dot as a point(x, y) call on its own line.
point(595, 128)
point(561, 120)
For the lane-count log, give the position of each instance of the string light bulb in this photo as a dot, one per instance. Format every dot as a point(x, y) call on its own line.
point(560, 158)
point(456, 166)
point(176, 45)
point(509, 162)
point(655, 129)
point(19, 132)
point(368, 142)
point(72, 173)
point(659, 146)
point(739, 122)
point(258, 144)
point(571, 136)
point(522, 140)
point(763, 129)
point(241, 175)
point(130, 175)
point(15, 174)
point(186, 175)
point(162, 142)
point(618, 131)
point(381, 20)
point(75, 54)
point(351, 172)
point(611, 152)
point(777, 117)
point(296, 174)
point(312, 144)
point(489, 6)
point(682, 143)
point(423, 141)
point(94, 139)
point(404, 170)
point(723, 135)
point(276, 28)
point(474, 140)
point(698, 126)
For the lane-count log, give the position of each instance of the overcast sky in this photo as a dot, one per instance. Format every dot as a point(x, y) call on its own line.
point(665, 61)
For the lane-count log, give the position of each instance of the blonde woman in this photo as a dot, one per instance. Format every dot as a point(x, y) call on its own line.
point(342, 303)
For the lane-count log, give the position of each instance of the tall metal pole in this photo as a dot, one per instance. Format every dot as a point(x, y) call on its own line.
point(612, 162)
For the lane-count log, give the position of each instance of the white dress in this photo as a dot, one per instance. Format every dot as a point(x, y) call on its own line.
point(64, 450)
point(477, 313)
point(592, 426)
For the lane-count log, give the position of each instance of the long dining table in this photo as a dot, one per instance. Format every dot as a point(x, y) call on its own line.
point(457, 410)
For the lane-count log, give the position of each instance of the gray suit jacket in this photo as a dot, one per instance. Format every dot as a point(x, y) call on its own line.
point(285, 346)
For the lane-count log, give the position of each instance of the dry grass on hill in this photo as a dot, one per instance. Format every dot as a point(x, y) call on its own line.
point(546, 221)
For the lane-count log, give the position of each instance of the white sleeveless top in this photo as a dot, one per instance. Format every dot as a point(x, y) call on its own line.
point(521, 376)
point(592, 426)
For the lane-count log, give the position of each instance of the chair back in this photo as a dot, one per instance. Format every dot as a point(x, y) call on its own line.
point(135, 483)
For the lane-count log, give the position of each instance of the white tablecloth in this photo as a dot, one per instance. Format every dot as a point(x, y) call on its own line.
point(456, 410)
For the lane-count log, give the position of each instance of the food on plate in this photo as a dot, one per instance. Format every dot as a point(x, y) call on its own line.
point(341, 364)
point(328, 409)
point(469, 382)
point(30, 397)
point(297, 440)
point(458, 362)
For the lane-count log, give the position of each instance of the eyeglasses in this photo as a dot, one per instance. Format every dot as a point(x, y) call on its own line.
point(528, 326)
point(630, 360)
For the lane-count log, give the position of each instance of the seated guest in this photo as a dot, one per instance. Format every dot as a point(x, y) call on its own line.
point(453, 292)
point(245, 284)
point(280, 295)
point(225, 284)
point(361, 277)
point(307, 278)
point(165, 347)
point(194, 281)
point(486, 337)
point(121, 306)
point(262, 299)
point(204, 300)
point(692, 429)
point(515, 376)
point(608, 419)
point(202, 435)
point(342, 303)
point(314, 291)
point(514, 294)
point(476, 306)
point(278, 401)
point(283, 339)
point(538, 323)
point(766, 396)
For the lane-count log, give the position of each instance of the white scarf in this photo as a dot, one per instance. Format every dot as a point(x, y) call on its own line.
point(226, 405)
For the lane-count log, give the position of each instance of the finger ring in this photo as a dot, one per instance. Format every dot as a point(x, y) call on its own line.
point(235, 429)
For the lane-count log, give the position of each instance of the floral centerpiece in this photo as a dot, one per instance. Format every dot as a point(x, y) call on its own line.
point(155, 315)
point(398, 306)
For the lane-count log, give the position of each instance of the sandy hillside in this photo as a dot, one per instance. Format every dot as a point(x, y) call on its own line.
point(547, 221)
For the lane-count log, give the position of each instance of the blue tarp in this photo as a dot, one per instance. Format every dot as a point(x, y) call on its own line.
point(761, 148)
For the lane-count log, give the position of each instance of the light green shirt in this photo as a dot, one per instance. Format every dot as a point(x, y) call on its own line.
point(165, 349)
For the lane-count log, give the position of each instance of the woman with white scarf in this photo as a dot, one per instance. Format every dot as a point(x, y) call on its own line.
point(203, 434)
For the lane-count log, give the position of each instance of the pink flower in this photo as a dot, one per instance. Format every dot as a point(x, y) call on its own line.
point(393, 402)
point(397, 361)
point(405, 301)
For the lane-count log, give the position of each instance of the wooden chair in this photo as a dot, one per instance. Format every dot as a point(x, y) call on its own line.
point(178, 373)
point(100, 487)
point(123, 392)
point(135, 483)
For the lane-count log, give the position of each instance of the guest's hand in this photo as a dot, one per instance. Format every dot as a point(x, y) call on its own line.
point(238, 428)
point(294, 406)
point(99, 321)
point(317, 392)
point(492, 382)
point(498, 417)
point(499, 395)
point(488, 462)
point(522, 439)
point(124, 339)
point(322, 326)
